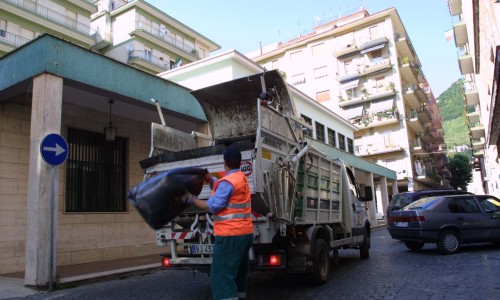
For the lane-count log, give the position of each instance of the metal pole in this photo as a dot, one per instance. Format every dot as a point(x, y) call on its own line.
point(51, 240)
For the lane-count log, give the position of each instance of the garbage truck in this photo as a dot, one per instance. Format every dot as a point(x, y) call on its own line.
point(306, 206)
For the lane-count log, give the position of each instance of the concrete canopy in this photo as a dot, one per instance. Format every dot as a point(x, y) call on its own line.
point(100, 77)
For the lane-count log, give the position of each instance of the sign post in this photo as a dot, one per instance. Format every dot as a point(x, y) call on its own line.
point(54, 151)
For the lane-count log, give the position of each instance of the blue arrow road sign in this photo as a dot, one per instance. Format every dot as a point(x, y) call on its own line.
point(54, 149)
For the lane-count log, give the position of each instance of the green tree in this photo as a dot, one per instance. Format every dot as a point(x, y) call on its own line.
point(461, 171)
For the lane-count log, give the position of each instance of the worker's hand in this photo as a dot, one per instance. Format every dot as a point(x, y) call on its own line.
point(209, 179)
point(191, 199)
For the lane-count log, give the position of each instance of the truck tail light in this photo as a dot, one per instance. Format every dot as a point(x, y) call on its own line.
point(166, 262)
point(270, 260)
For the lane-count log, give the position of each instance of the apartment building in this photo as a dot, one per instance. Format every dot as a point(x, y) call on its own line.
point(141, 35)
point(364, 67)
point(477, 38)
point(22, 21)
point(132, 32)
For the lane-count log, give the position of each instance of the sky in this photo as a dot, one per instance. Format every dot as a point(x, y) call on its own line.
point(243, 26)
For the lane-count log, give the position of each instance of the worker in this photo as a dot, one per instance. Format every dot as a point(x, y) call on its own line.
point(233, 228)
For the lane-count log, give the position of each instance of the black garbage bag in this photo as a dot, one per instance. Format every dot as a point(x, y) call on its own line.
point(161, 198)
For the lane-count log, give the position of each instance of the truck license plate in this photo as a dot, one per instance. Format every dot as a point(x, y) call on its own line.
point(401, 224)
point(202, 249)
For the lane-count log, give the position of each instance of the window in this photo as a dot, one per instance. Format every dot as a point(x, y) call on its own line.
point(274, 64)
point(350, 146)
point(296, 56)
point(376, 54)
point(308, 121)
point(341, 142)
point(464, 205)
point(3, 27)
point(320, 132)
point(95, 173)
point(147, 54)
point(318, 49)
point(332, 137)
point(323, 96)
point(320, 72)
point(298, 79)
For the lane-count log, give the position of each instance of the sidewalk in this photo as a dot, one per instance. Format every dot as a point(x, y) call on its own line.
point(12, 285)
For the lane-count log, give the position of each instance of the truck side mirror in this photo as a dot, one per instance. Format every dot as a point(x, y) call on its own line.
point(368, 194)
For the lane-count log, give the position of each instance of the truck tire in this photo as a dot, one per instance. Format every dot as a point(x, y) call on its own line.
point(321, 262)
point(364, 249)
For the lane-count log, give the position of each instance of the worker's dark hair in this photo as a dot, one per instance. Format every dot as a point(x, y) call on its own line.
point(232, 157)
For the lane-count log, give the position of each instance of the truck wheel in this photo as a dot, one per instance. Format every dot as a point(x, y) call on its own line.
point(321, 262)
point(448, 242)
point(364, 249)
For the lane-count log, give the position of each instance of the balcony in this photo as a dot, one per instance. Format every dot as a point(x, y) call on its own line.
point(404, 46)
point(376, 66)
point(50, 19)
point(473, 114)
point(368, 95)
point(413, 95)
point(455, 7)
point(476, 130)
point(10, 41)
point(460, 32)
point(471, 93)
point(478, 144)
point(424, 114)
point(162, 39)
point(376, 120)
point(346, 50)
point(425, 175)
point(465, 61)
point(409, 70)
point(478, 153)
point(145, 61)
point(101, 33)
point(419, 148)
point(413, 120)
point(377, 145)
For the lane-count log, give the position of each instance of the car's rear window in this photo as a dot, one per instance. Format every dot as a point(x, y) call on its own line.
point(423, 203)
point(399, 200)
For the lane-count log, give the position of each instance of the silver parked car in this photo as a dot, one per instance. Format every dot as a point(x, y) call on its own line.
point(448, 221)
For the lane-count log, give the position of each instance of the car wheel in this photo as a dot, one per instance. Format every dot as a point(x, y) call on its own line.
point(321, 262)
point(364, 249)
point(414, 246)
point(448, 242)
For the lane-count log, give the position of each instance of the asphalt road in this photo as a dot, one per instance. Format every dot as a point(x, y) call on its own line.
point(391, 272)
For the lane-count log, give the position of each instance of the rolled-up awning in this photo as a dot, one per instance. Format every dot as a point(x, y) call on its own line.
point(373, 48)
point(352, 112)
point(349, 84)
point(382, 105)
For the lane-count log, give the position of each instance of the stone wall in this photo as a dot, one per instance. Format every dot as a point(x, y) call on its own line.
point(81, 237)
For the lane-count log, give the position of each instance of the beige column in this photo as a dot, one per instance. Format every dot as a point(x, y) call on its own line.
point(46, 111)
point(372, 209)
point(384, 195)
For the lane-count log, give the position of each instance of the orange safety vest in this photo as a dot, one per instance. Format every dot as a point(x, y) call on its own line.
point(235, 218)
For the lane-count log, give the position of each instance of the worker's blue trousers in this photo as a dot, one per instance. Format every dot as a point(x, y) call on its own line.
point(228, 274)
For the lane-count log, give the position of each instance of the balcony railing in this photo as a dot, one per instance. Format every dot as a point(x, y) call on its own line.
point(162, 35)
point(147, 57)
point(12, 39)
point(51, 15)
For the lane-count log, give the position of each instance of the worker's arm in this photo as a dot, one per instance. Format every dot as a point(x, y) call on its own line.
point(218, 201)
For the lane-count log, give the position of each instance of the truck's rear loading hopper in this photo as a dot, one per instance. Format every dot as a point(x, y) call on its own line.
point(231, 107)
